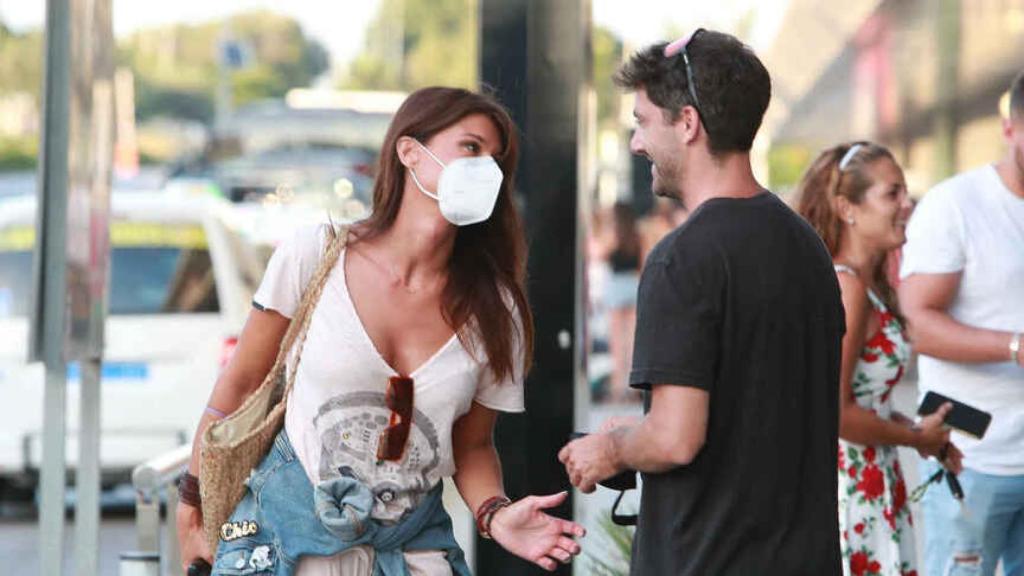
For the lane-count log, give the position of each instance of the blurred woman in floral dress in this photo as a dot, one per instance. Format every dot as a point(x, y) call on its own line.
point(856, 198)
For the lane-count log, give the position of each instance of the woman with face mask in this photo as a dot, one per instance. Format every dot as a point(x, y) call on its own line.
point(421, 335)
point(856, 198)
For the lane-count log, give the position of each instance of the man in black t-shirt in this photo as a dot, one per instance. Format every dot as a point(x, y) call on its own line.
point(737, 344)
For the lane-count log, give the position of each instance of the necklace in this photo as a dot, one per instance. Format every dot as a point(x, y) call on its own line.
point(395, 277)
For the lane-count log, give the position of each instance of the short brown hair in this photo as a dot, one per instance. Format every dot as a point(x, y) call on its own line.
point(732, 84)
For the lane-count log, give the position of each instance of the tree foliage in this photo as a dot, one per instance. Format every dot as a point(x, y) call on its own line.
point(177, 67)
point(21, 61)
point(607, 58)
point(416, 43)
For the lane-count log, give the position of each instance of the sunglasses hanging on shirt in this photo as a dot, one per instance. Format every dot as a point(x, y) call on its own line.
point(399, 399)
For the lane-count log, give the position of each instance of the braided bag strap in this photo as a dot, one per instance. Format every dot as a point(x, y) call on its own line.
point(310, 298)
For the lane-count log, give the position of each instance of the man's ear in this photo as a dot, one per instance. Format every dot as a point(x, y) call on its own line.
point(408, 151)
point(687, 124)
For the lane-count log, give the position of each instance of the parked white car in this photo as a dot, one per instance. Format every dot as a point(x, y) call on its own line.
point(180, 287)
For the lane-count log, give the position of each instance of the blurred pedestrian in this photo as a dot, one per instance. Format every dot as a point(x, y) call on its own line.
point(963, 293)
point(739, 324)
point(624, 261)
point(422, 334)
point(664, 217)
point(856, 198)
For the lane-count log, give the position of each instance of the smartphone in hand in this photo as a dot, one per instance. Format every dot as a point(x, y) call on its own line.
point(962, 417)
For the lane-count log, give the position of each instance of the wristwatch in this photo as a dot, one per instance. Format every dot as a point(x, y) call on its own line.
point(1015, 348)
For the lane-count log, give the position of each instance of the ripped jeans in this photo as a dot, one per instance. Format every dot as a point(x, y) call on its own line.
point(972, 543)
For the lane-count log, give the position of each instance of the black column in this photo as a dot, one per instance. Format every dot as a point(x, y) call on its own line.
point(535, 54)
point(641, 182)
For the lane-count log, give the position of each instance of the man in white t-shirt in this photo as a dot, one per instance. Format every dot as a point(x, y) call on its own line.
point(962, 291)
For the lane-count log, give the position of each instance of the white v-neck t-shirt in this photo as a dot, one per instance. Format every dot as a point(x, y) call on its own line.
point(336, 410)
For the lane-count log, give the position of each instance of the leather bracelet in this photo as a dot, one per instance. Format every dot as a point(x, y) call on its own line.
point(491, 517)
point(485, 513)
point(188, 490)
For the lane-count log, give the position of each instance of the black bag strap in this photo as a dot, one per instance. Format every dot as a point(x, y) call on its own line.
point(622, 519)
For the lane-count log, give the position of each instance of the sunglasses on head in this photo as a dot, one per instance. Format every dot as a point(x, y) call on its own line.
point(393, 439)
point(679, 47)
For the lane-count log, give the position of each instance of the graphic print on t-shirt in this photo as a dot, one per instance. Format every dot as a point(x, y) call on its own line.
point(350, 426)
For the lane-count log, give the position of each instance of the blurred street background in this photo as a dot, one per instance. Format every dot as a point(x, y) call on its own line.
point(238, 120)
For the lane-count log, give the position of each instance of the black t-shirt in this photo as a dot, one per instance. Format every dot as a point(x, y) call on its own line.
point(742, 301)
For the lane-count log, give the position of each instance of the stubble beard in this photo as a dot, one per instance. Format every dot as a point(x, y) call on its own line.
point(662, 186)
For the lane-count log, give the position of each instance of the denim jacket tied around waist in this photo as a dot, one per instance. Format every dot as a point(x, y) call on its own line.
point(282, 518)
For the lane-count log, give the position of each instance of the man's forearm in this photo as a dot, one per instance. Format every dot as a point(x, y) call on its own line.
point(640, 448)
point(935, 333)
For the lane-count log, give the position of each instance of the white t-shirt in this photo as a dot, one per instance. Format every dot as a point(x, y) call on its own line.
point(336, 410)
point(974, 224)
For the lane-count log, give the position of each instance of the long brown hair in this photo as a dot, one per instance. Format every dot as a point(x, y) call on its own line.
point(488, 262)
point(824, 183)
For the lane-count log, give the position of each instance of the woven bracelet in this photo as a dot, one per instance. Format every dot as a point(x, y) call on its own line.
point(485, 513)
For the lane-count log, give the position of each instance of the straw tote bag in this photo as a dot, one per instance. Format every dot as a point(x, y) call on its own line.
point(233, 446)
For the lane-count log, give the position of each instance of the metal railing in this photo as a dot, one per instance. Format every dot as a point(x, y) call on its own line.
point(151, 479)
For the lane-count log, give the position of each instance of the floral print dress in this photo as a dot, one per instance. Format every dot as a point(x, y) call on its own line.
point(874, 518)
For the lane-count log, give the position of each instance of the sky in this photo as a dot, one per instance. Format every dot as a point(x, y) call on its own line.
point(340, 24)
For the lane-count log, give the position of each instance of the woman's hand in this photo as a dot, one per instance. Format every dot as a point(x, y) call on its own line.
point(933, 440)
point(525, 530)
point(191, 539)
point(932, 435)
point(953, 460)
